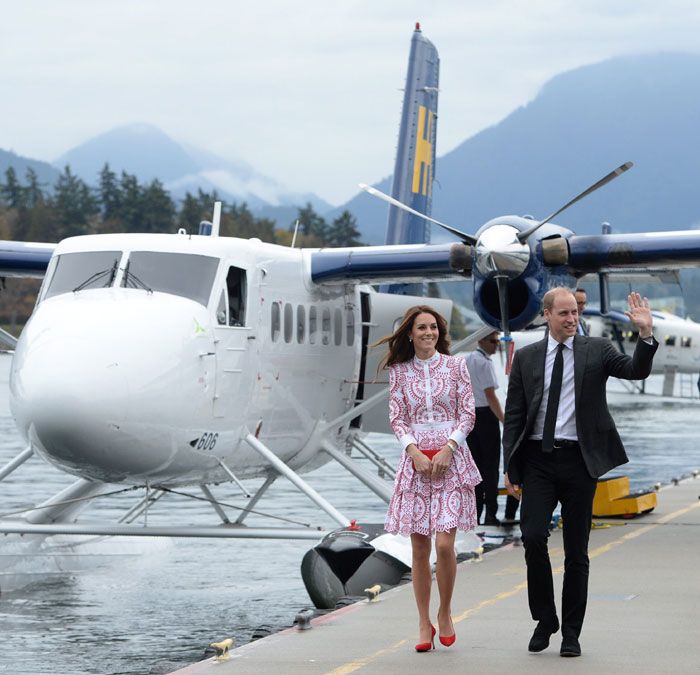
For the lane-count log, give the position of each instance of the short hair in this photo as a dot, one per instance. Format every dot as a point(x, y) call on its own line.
point(552, 293)
point(580, 290)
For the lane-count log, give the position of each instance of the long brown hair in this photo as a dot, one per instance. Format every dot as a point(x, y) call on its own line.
point(401, 348)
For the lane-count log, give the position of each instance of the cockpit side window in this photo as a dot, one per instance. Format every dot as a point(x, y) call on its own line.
point(236, 286)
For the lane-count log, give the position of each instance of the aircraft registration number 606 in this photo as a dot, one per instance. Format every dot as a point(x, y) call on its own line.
point(207, 441)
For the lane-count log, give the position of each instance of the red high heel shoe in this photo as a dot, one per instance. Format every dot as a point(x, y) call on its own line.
point(449, 640)
point(427, 646)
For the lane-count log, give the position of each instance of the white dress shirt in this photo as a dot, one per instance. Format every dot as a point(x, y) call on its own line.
point(483, 375)
point(566, 413)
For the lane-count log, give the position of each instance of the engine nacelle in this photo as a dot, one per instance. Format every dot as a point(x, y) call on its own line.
point(530, 268)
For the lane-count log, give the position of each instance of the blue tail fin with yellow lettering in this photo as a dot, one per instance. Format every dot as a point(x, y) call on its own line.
point(414, 170)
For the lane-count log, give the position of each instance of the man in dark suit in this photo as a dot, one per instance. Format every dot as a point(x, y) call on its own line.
point(558, 438)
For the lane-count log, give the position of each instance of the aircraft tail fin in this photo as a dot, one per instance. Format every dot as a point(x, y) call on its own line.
point(414, 170)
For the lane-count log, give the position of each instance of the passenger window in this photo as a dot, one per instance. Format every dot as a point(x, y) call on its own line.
point(221, 317)
point(313, 325)
point(275, 323)
point(288, 322)
point(338, 326)
point(686, 341)
point(301, 319)
point(349, 327)
point(670, 341)
point(326, 326)
point(236, 286)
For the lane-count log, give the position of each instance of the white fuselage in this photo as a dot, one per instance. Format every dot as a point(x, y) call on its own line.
point(134, 384)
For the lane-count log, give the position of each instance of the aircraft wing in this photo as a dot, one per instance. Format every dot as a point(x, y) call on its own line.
point(24, 259)
point(640, 251)
point(380, 264)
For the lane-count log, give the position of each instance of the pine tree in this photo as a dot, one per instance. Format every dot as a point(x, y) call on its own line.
point(311, 224)
point(109, 194)
point(131, 208)
point(190, 213)
point(343, 231)
point(34, 195)
point(158, 208)
point(12, 193)
point(74, 203)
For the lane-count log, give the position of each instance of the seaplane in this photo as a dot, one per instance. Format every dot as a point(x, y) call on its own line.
point(154, 362)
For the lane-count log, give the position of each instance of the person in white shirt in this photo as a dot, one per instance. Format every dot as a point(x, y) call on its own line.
point(485, 439)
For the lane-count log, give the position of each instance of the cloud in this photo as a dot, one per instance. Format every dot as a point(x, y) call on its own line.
point(309, 97)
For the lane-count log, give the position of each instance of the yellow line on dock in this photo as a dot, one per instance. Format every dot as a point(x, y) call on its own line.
point(361, 663)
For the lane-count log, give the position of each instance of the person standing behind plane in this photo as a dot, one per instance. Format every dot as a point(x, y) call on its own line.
point(581, 300)
point(431, 410)
point(558, 438)
point(485, 439)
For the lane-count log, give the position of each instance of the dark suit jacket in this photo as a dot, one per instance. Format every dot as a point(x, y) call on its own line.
point(595, 359)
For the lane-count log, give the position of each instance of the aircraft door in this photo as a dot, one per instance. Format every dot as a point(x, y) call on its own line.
point(235, 339)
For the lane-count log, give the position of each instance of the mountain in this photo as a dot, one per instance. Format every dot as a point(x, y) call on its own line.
point(148, 153)
point(46, 173)
point(582, 124)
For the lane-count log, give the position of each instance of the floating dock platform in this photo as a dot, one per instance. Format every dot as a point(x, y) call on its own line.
point(642, 615)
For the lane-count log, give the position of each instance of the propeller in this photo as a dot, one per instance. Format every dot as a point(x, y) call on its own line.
point(501, 252)
point(466, 238)
point(524, 236)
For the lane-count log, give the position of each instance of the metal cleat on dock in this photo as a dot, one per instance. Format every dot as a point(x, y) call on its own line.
point(303, 619)
point(372, 592)
point(222, 649)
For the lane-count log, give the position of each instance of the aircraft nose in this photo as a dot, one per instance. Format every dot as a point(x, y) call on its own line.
point(68, 394)
point(95, 381)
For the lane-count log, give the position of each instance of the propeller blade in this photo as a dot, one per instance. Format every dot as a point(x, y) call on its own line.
point(502, 284)
point(524, 236)
point(466, 238)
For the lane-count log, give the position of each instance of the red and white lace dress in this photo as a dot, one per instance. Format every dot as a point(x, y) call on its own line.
point(430, 402)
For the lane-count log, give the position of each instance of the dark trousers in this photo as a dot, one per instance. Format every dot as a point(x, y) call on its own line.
point(485, 445)
point(512, 505)
point(548, 478)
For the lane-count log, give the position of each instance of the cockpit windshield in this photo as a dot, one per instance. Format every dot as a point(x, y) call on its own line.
point(184, 274)
point(80, 271)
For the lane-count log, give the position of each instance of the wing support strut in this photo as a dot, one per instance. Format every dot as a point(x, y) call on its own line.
point(16, 462)
point(299, 482)
point(234, 479)
point(215, 505)
point(381, 488)
point(271, 478)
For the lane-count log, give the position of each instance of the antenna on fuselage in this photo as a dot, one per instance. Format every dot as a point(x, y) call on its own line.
point(216, 220)
point(294, 236)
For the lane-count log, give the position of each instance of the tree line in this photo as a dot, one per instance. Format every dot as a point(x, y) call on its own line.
point(29, 211)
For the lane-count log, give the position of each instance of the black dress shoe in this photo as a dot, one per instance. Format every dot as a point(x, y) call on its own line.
point(570, 647)
point(540, 638)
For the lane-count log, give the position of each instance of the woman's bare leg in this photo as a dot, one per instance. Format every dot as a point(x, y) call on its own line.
point(446, 571)
point(422, 581)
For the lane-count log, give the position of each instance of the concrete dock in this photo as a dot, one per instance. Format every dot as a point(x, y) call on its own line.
point(643, 612)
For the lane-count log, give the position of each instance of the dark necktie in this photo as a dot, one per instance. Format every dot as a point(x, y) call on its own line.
point(550, 416)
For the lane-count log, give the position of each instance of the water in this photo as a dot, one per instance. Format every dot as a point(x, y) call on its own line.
point(151, 605)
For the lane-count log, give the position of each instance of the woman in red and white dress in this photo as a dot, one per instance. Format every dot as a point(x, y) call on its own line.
point(431, 410)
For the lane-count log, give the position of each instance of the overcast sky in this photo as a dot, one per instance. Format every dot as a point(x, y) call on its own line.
point(307, 92)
